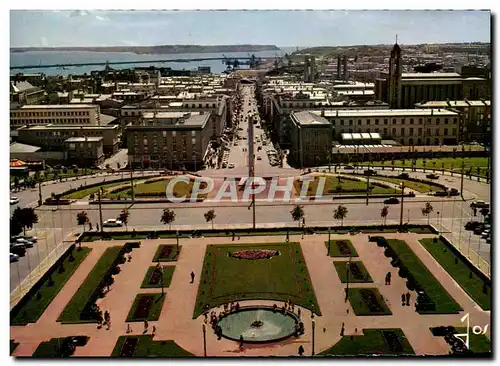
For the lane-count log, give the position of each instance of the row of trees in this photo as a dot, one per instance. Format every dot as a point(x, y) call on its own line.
point(22, 219)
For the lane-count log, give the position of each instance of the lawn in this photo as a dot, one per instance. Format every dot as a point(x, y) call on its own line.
point(373, 341)
point(49, 349)
point(460, 271)
point(478, 343)
point(167, 253)
point(449, 164)
point(345, 186)
point(146, 307)
point(282, 277)
point(367, 301)
point(341, 248)
point(357, 272)
point(168, 272)
point(33, 308)
point(13, 346)
point(410, 185)
point(71, 313)
point(88, 191)
point(146, 347)
point(445, 304)
point(157, 188)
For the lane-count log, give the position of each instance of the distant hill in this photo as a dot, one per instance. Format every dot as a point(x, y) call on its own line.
point(155, 50)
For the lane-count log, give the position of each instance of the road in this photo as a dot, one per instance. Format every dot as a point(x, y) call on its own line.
point(57, 225)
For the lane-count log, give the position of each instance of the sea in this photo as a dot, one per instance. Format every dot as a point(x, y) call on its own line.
point(54, 57)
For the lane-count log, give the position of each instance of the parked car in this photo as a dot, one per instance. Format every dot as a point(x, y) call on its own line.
point(440, 193)
point(454, 192)
point(18, 249)
point(432, 176)
point(112, 223)
point(27, 243)
point(479, 229)
point(259, 158)
point(231, 166)
point(14, 200)
point(14, 257)
point(479, 204)
point(391, 201)
point(404, 176)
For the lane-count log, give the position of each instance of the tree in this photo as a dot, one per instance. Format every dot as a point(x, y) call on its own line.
point(384, 212)
point(167, 217)
point(25, 218)
point(16, 183)
point(82, 218)
point(124, 215)
point(426, 211)
point(298, 213)
point(210, 216)
point(340, 213)
point(484, 211)
point(15, 227)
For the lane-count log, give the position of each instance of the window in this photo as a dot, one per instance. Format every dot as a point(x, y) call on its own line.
point(385, 121)
point(394, 121)
point(428, 131)
point(454, 131)
point(411, 131)
point(445, 132)
point(394, 131)
point(164, 133)
point(402, 121)
point(385, 130)
point(402, 131)
point(446, 121)
point(359, 122)
point(145, 141)
point(411, 121)
point(367, 121)
point(454, 120)
point(350, 122)
point(376, 121)
point(437, 121)
point(193, 133)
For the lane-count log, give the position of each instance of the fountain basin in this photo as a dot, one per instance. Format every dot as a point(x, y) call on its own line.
point(258, 324)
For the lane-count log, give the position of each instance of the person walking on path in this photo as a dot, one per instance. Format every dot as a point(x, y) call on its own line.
point(301, 350)
point(388, 278)
point(403, 299)
point(241, 341)
point(407, 299)
point(99, 320)
point(146, 325)
point(154, 330)
point(192, 277)
point(129, 329)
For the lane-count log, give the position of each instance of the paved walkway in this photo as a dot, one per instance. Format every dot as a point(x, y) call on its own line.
point(176, 323)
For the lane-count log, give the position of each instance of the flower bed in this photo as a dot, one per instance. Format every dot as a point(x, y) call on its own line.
point(393, 341)
point(155, 277)
point(344, 248)
point(142, 309)
point(356, 272)
point(254, 254)
point(129, 346)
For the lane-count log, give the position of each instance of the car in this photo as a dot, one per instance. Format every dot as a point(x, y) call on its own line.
point(264, 142)
point(27, 243)
point(454, 192)
point(14, 257)
point(432, 176)
point(404, 176)
point(440, 193)
point(479, 229)
point(259, 158)
point(349, 167)
point(471, 225)
point(231, 166)
point(488, 240)
point(236, 143)
point(479, 204)
point(369, 172)
point(112, 223)
point(486, 233)
point(18, 249)
point(391, 201)
point(14, 200)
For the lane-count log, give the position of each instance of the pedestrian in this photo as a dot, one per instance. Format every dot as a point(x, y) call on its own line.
point(301, 350)
point(99, 320)
point(154, 330)
point(233, 235)
point(90, 226)
point(241, 341)
point(403, 299)
point(192, 277)
point(129, 329)
point(298, 312)
point(407, 299)
point(146, 325)
point(97, 227)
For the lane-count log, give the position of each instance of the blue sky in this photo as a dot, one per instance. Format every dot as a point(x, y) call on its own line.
point(53, 28)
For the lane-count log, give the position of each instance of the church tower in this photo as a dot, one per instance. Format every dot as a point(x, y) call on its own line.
point(395, 74)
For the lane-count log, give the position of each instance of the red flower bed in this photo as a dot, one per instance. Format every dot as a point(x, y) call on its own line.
point(155, 277)
point(254, 254)
point(165, 251)
point(142, 309)
point(128, 348)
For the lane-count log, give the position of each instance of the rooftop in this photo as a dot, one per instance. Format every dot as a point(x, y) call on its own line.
point(385, 112)
point(430, 75)
point(307, 118)
point(84, 139)
point(68, 127)
point(59, 106)
point(454, 103)
point(17, 147)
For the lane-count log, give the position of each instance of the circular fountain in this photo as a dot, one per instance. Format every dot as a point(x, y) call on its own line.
point(258, 324)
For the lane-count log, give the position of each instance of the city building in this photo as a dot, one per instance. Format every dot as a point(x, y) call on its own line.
point(169, 140)
point(84, 151)
point(66, 114)
point(310, 139)
point(405, 126)
point(475, 117)
point(310, 73)
point(23, 93)
point(52, 137)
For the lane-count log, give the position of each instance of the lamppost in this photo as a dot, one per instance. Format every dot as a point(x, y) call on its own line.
point(347, 270)
point(177, 238)
point(313, 330)
point(438, 222)
point(329, 242)
point(162, 282)
point(204, 328)
point(402, 185)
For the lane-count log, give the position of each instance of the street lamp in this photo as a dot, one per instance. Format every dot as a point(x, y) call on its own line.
point(347, 269)
point(313, 329)
point(162, 282)
point(204, 328)
point(402, 185)
point(328, 242)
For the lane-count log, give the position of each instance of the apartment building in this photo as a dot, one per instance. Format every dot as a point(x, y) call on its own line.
point(52, 137)
point(406, 126)
point(475, 117)
point(84, 151)
point(25, 93)
point(169, 140)
point(310, 139)
point(66, 114)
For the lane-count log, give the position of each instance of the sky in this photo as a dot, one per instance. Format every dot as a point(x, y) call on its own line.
point(53, 28)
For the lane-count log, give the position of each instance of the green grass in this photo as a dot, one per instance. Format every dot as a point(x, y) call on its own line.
point(88, 191)
point(45, 176)
point(445, 304)
point(347, 187)
point(13, 346)
point(71, 313)
point(449, 164)
point(371, 342)
point(154, 310)
point(335, 250)
point(168, 272)
point(342, 268)
point(359, 305)
point(415, 186)
point(157, 188)
point(146, 347)
point(458, 269)
point(281, 278)
point(49, 348)
point(478, 343)
point(172, 257)
point(33, 309)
